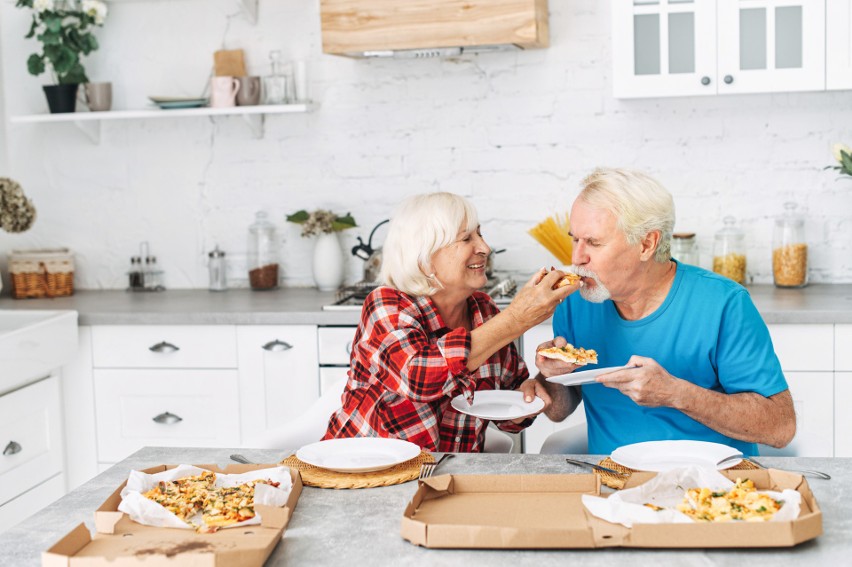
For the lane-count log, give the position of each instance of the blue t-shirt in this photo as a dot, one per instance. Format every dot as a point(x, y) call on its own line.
point(707, 331)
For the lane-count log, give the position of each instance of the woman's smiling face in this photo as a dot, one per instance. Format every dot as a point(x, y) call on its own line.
point(460, 266)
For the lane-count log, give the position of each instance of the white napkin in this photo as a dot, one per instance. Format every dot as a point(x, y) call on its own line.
point(666, 490)
point(148, 512)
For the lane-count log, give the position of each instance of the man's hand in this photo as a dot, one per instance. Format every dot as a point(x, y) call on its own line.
point(551, 366)
point(649, 384)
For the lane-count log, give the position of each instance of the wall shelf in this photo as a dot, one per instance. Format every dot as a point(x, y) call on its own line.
point(90, 122)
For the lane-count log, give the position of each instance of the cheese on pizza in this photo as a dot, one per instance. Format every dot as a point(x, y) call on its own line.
point(571, 354)
point(742, 502)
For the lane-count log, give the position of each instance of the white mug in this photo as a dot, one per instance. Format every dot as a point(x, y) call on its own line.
point(223, 91)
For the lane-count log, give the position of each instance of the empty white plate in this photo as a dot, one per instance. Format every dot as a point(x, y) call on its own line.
point(584, 376)
point(497, 405)
point(358, 454)
point(661, 456)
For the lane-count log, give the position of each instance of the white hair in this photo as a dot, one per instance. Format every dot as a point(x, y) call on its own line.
point(638, 201)
point(422, 225)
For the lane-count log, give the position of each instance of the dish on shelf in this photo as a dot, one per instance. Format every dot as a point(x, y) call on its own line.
point(167, 102)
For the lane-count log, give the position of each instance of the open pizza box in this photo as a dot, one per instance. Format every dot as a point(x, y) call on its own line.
point(120, 541)
point(546, 512)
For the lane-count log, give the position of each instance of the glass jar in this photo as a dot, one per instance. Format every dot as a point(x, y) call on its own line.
point(729, 257)
point(262, 253)
point(789, 249)
point(276, 85)
point(218, 270)
point(685, 248)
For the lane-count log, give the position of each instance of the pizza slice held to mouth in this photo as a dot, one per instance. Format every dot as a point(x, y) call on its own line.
point(571, 354)
point(567, 279)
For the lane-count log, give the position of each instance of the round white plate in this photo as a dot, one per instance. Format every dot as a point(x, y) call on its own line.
point(358, 454)
point(497, 405)
point(584, 376)
point(661, 456)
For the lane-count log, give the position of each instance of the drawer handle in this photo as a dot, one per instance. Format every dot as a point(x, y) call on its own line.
point(277, 346)
point(163, 347)
point(167, 418)
point(12, 448)
point(349, 347)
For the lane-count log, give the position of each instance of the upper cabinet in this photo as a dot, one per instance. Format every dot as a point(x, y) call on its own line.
point(838, 41)
point(695, 47)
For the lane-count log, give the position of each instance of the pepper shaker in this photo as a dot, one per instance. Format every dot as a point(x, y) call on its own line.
point(218, 270)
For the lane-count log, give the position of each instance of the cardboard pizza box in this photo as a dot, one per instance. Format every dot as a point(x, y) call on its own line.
point(546, 512)
point(120, 542)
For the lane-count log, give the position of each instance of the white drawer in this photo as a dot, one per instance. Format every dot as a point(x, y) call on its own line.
point(31, 436)
point(31, 502)
point(804, 347)
point(335, 344)
point(843, 347)
point(164, 346)
point(171, 408)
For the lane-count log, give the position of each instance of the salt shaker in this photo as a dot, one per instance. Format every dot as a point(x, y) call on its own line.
point(218, 270)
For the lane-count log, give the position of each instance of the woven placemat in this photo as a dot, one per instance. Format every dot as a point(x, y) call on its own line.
point(324, 478)
point(617, 482)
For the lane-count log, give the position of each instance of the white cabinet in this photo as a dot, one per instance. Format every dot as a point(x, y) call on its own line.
point(838, 41)
point(695, 47)
point(843, 348)
point(335, 350)
point(278, 375)
point(842, 415)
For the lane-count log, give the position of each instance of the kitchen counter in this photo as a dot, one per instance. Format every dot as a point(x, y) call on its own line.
point(819, 303)
point(362, 527)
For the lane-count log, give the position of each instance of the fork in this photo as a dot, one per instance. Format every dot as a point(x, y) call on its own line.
point(595, 467)
point(428, 469)
point(806, 472)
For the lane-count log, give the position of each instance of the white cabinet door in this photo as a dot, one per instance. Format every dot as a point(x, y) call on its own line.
point(164, 346)
point(31, 502)
point(843, 348)
point(804, 347)
point(278, 375)
point(838, 42)
point(663, 48)
point(771, 45)
point(813, 398)
point(842, 415)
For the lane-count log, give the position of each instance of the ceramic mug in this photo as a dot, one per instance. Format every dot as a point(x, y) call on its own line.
point(249, 93)
point(223, 91)
point(98, 96)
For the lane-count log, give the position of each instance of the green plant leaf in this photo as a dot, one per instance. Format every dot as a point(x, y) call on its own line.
point(52, 21)
point(35, 64)
point(75, 75)
point(61, 58)
point(344, 222)
point(33, 27)
point(298, 217)
point(846, 162)
point(50, 38)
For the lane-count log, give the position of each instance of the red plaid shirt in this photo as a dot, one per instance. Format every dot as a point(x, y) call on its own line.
point(406, 367)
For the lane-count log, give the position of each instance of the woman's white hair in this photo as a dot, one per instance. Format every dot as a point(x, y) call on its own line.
point(420, 226)
point(638, 201)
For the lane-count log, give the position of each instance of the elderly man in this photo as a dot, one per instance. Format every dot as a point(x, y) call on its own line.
point(704, 364)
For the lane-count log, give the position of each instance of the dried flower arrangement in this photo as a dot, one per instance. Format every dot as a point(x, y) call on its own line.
point(17, 213)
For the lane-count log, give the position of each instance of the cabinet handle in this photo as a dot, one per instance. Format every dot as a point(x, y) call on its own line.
point(163, 347)
point(277, 346)
point(167, 418)
point(12, 448)
point(349, 347)
point(705, 81)
point(728, 79)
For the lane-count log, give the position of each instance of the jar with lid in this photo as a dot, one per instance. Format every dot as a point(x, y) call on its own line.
point(789, 249)
point(729, 257)
point(262, 253)
point(218, 270)
point(684, 248)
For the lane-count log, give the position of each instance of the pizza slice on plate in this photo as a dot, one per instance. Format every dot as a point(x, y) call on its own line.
point(571, 354)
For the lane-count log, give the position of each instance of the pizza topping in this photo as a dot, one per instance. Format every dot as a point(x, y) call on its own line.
point(567, 279)
point(571, 354)
point(741, 502)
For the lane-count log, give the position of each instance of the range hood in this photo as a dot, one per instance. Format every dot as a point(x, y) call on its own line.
point(431, 28)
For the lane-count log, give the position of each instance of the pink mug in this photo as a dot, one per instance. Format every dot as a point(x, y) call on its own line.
point(223, 91)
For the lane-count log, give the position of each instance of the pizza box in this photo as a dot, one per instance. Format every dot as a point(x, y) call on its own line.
point(119, 541)
point(546, 512)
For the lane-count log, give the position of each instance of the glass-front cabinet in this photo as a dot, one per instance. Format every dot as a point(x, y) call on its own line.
point(696, 47)
point(838, 41)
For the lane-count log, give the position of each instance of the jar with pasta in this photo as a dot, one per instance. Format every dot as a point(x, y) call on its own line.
point(729, 257)
point(789, 249)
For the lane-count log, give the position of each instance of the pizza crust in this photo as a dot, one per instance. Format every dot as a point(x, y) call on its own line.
point(567, 279)
point(571, 354)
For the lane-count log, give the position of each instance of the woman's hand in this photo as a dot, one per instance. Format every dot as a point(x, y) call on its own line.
point(536, 300)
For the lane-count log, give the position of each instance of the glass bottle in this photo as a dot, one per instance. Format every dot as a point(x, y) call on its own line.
point(275, 86)
point(262, 253)
point(729, 251)
point(789, 249)
point(685, 248)
point(218, 270)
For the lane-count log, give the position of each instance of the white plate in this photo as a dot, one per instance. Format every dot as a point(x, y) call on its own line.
point(497, 405)
point(358, 454)
point(661, 456)
point(584, 376)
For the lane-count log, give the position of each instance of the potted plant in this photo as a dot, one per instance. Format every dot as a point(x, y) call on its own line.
point(843, 155)
point(64, 28)
point(328, 268)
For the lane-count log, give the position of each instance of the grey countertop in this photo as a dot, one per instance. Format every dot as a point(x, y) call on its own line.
point(819, 303)
point(362, 527)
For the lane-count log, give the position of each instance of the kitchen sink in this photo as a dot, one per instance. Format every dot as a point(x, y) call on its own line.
point(32, 343)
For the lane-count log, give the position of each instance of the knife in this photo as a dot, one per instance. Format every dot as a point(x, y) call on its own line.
point(597, 467)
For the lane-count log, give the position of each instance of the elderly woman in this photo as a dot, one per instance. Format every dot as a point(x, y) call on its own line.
point(429, 334)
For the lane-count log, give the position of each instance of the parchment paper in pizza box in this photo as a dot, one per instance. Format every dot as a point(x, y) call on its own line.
point(148, 512)
point(666, 490)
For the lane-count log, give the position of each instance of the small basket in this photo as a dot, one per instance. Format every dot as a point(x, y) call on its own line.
point(41, 273)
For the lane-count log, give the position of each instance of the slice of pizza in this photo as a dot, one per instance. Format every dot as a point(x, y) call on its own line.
point(571, 354)
point(567, 279)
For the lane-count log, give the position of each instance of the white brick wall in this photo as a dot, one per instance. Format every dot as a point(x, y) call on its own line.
point(513, 131)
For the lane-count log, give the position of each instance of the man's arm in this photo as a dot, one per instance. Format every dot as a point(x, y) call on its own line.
point(746, 416)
